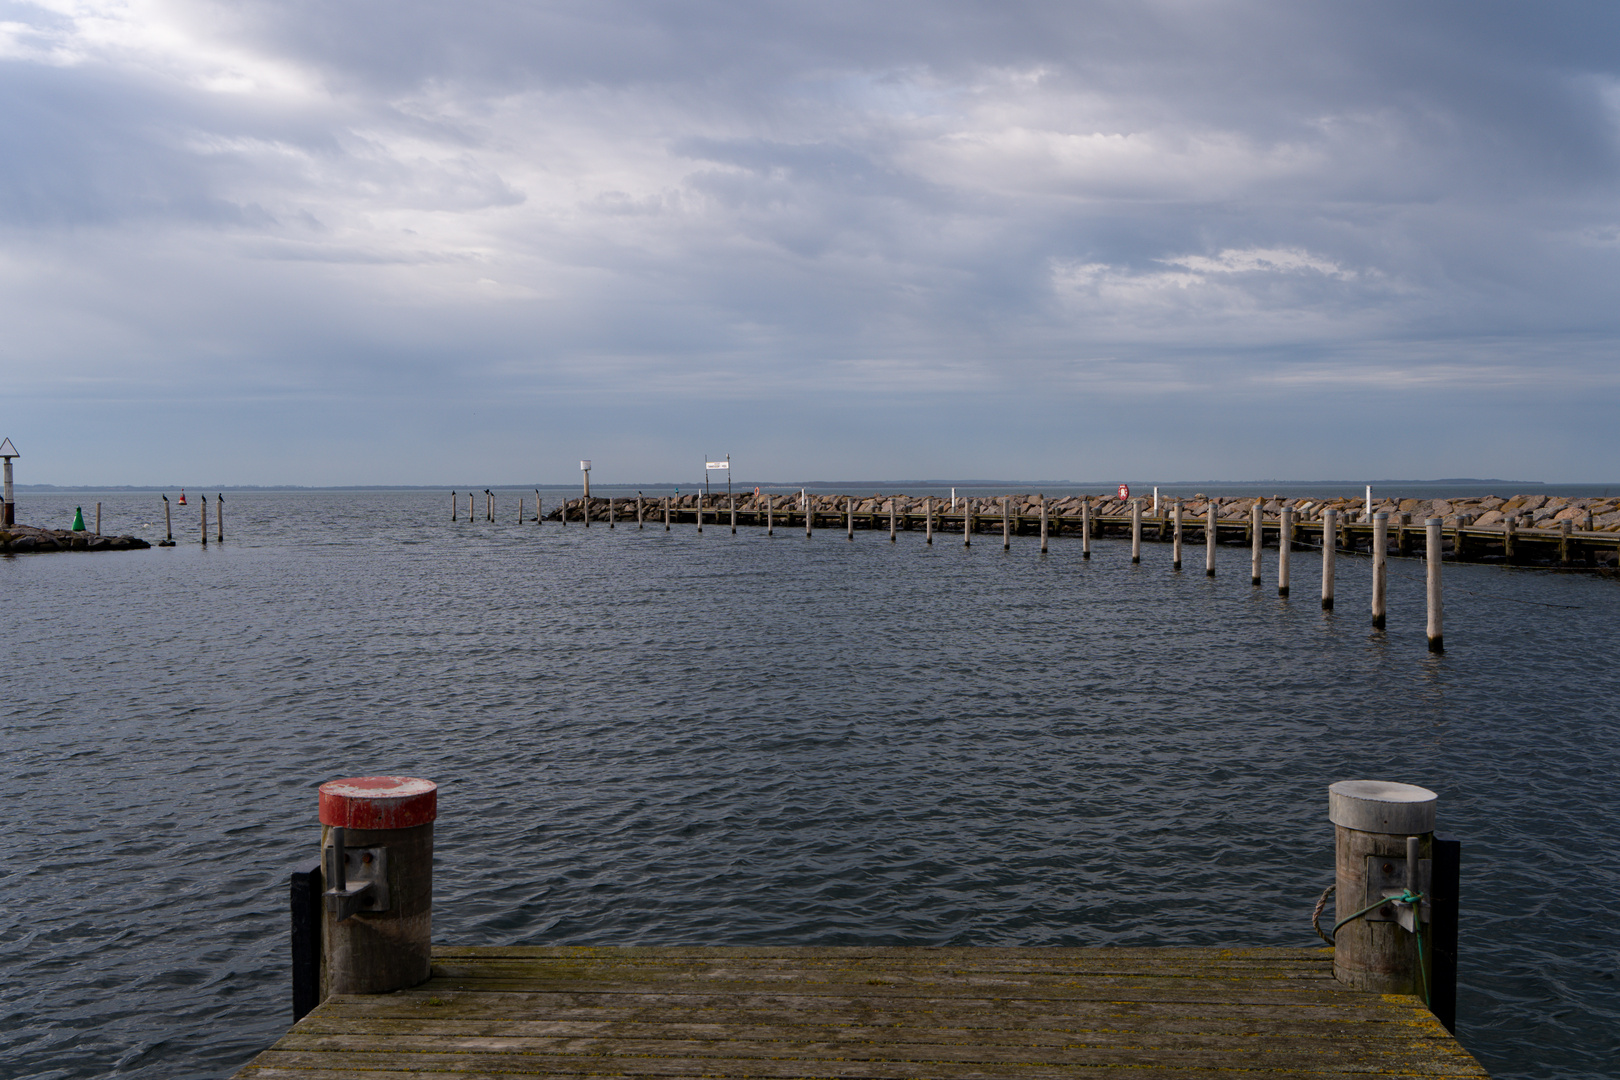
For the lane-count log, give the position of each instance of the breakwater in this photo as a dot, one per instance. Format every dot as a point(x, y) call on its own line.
point(1530, 530)
point(22, 539)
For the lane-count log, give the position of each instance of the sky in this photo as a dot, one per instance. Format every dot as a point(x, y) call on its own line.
point(289, 241)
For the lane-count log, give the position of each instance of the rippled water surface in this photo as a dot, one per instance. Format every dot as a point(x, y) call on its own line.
point(650, 737)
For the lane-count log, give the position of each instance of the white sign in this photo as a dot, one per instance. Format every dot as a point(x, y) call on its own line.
point(717, 465)
point(585, 466)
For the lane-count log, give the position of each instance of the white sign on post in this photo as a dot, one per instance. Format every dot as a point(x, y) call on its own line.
point(585, 466)
point(717, 465)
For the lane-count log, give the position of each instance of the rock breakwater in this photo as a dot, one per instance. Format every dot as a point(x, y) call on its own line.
point(22, 539)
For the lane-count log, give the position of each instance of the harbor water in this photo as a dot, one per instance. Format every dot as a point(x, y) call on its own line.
point(650, 737)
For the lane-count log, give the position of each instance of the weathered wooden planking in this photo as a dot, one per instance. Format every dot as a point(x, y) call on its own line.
point(1184, 1014)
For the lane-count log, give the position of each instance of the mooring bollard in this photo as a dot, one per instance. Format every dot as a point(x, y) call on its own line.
point(1380, 555)
point(1396, 886)
point(377, 866)
point(1175, 548)
point(1211, 532)
point(1257, 536)
point(1436, 613)
point(1043, 524)
point(1330, 547)
point(1285, 546)
point(1136, 530)
point(1085, 527)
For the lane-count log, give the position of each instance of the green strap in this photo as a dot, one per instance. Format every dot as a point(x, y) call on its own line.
point(1407, 897)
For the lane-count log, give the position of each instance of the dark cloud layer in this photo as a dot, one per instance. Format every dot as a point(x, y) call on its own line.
point(416, 210)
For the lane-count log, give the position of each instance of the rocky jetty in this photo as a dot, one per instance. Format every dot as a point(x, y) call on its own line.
point(19, 539)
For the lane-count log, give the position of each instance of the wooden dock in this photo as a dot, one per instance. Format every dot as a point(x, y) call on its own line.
point(844, 1013)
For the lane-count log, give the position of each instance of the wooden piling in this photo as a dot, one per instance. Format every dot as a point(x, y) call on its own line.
point(537, 517)
point(1006, 526)
point(455, 504)
point(808, 502)
point(168, 524)
point(219, 517)
point(1380, 567)
point(377, 858)
point(641, 518)
point(585, 509)
point(1285, 546)
point(613, 513)
point(1383, 833)
point(1330, 547)
point(892, 501)
point(204, 521)
point(98, 520)
point(1510, 534)
point(1043, 524)
point(1136, 530)
point(1175, 548)
point(666, 513)
point(928, 510)
point(770, 525)
point(700, 511)
point(1403, 541)
point(732, 499)
point(967, 522)
point(849, 517)
point(1211, 532)
point(1257, 535)
point(1565, 548)
point(520, 509)
point(1436, 613)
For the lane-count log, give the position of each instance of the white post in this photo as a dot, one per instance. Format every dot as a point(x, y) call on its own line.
point(1156, 507)
point(1330, 548)
point(1175, 552)
point(1257, 529)
point(1211, 530)
point(1380, 554)
point(953, 490)
point(1436, 611)
point(1285, 546)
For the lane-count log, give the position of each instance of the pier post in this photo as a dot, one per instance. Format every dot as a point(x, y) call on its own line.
point(1565, 527)
point(537, 506)
point(641, 517)
point(1403, 542)
point(1436, 613)
point(1380, 575)
point(808, 502)
point(1043, 524)
point(928, 509)
point(469, 506)
point(1510, 534)
point(585, 510)
point(168, 525)
point(1006, 525)
point(1330, 548)
point(733, 501)
point(849, 517)
point(700, 511)
point(1085, 527)
point(98, 520)
point(1257, 534)
point(1136, 530)
point(892, 507)
point(219, 517)
point(377, 863)
point(1175, 548)
point(666, 513)
point(1211, 532)
point(770, 523)
point(455, 504)
point(967, 522)
point(1285, 547)
point(520, 509)
point(1383, 835)
point(204, 520)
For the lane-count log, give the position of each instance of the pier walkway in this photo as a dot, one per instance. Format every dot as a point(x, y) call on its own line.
point(847, 1012)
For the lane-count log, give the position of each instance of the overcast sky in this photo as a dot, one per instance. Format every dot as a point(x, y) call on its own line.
point(326, 241)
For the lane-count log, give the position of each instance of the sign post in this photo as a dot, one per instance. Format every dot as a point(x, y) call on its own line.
point(9, 517)
point(585, 467)
point(718, 466)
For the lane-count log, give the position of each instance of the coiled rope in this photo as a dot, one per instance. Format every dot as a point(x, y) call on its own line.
point(1407, 896)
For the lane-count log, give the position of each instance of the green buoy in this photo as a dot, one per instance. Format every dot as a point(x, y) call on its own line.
point(78, 519)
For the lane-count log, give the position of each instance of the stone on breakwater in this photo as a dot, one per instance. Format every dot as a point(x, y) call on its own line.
point(21, 539)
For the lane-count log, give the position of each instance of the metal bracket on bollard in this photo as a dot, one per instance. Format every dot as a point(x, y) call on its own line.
point(359, 878)
point(1390, 877)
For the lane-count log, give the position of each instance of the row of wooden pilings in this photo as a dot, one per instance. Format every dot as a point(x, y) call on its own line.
point(362, 917)
point(1433, 528)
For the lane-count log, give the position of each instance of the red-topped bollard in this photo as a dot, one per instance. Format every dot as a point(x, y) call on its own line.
point(377, 869)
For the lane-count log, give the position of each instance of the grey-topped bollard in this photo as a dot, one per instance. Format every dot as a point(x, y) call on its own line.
point(1330, 548)
point(377, 870)
point(1383, 842)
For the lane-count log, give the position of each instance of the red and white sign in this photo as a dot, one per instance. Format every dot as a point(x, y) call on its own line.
point(1124, 491)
